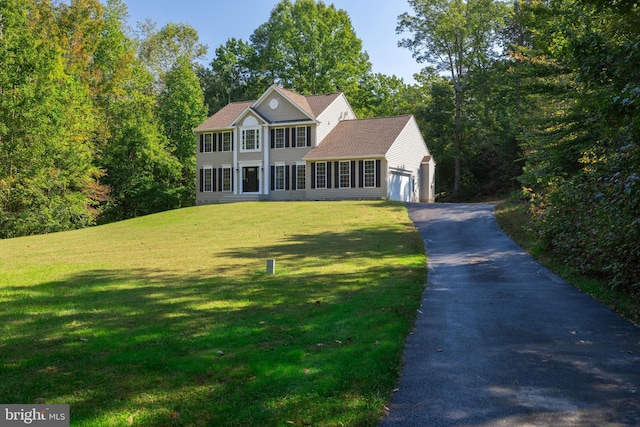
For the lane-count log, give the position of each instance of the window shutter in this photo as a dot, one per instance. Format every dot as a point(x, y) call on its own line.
point(361, 173)
point(213, 179)
point(313, 175)
point(377, 173)
point(220, 178)
point(273, 178)
point(286, 138)
point(353, 174)
point(272, 137)
point(232, 133)
point(308, 136)
point(201, 179)
point(337, 175)
point(294, 181)
point(287, 176)
point(231, 178)
point(293, 137)
point(220, 139)
point(201, 143)
point(328, 174)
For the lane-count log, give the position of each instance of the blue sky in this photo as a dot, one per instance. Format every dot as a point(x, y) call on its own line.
point(218, 20)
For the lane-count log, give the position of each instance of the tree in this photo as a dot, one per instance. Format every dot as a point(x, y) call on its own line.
point(456, 36)
point(310, 47)
point(180, 109)
point(46, 127)
point(161, 49)
point(305, 46)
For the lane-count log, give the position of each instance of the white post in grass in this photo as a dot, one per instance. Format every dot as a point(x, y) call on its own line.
point(271, 266)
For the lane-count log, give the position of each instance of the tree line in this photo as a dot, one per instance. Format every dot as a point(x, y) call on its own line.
point(536, 96)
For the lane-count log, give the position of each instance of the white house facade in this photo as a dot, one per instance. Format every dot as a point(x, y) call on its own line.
point(286, 146)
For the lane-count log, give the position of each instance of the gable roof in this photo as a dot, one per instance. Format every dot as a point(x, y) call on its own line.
point(312, 105)
point(360, 138)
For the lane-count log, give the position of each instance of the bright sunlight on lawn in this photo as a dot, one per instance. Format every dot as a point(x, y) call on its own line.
point(170, 319)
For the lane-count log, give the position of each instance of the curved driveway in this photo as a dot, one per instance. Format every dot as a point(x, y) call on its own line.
point(502, 341)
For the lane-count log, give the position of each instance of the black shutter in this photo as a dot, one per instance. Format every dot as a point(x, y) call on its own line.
point(353, 174)
point(201, 143)
point(273, 178)
point(213, 179)
point(378, 173)
point(293, 137)
point(361, 173)
point(220, 139)
point(231, 178)
point(308, 136)
point(313, 175)
point(272, 136)
point(214, 142)
point(294, 181)
point(286, 138)
point(328, 169)
point(201, 180)
point(232, 133)
point(220, 179)
point(337, 175)
point(287, 177)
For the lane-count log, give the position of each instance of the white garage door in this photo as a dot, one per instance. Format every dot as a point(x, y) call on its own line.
point(400, 187)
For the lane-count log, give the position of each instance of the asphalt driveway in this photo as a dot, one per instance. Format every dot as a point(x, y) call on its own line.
point(502, 341)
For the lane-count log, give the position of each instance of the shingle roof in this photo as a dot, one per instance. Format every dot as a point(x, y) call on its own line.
point(225, 116)
point(360, 138)
point(313, 105)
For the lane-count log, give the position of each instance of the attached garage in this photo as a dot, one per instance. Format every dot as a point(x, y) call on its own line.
point(401, 186)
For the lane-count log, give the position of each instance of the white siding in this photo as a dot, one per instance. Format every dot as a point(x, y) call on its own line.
point(407, 152)
point(336, 112)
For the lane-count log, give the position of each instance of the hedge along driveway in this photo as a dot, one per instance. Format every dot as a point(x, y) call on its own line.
point(170, 319)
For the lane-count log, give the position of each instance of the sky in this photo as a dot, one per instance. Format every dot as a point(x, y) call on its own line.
point(217, 21)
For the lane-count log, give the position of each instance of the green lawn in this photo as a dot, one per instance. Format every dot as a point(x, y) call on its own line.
point(170, 319)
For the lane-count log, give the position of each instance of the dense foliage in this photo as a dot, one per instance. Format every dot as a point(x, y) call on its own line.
point(584, 155)
point(86, 133)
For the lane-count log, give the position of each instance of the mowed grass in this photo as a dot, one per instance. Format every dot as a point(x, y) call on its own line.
point(170, 319)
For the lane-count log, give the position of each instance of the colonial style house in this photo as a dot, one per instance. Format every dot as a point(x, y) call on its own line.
point(287, 146)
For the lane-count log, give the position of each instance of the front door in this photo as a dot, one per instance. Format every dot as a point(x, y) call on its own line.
point(250, 181)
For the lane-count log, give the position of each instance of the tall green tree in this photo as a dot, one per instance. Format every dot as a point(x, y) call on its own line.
point(46, 125)
point(180, 109)
point(310, 47)
point(305, 46)
point(457, 37)
point(160, 49)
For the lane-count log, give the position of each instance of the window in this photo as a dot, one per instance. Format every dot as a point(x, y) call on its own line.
point(226, 179)
point(301, 177)
point(321, 175)
point(278, 136)
point(226, 141)
point(345, 174)
point(301, 136)
point(251, 140)
point(208, 143)
point(207, 179)
point(369, 173)
point(279, 178)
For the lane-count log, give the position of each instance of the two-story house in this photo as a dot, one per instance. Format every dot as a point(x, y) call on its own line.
point(287, 146)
